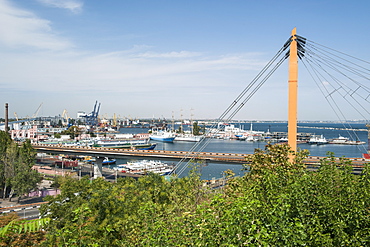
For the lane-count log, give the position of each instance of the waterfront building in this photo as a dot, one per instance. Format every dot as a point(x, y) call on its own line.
point(24, 132)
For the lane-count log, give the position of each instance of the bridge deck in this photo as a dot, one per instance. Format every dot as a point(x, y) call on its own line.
point(210, 156)
point(115, 152)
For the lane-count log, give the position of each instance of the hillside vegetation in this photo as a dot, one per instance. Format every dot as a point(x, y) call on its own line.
point(276, 203)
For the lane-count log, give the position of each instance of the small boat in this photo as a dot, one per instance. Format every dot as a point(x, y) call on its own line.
point(89, 159)
point(240, 137)
point(108, 161)
point(283, 139)
point(253, 138)
point(145, 147)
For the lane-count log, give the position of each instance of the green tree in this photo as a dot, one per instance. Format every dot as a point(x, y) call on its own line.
point(16, 164)
point(26, 178)
point(196, 129)
point(59, 124)
point(92, 134)
point(280, 203)
point(9, 160)
point(5, 141)
point(17, 232)
point(277, 203)
point(57, 135)
point(118, 214)
point(73, 121)
point(72, 131)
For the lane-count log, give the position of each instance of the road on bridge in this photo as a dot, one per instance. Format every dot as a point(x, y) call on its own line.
point(115, 152)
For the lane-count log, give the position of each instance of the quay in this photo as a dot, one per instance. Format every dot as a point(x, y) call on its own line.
point(163, 154)
point(120, 153)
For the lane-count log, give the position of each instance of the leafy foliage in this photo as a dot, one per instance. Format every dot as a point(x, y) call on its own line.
point(196, 129)
point(23, 226)
point(104, 213)
point(16, 162)
point(17, 232)
point(277, 203)
point(57, 135)
point(72, 131)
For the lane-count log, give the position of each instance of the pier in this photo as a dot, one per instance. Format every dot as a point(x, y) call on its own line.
point(120, 153)
point(237, 158)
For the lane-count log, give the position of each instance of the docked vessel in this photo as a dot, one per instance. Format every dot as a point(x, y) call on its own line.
point(138, 144)
point(345, 141)
point(89, 159)
point(232, 132)
point(188, 138)
point(162, 135)
point(339, 140)
point(144, 166)
point(108, 161)
point(318, 140)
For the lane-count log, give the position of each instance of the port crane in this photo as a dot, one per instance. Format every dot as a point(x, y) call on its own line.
point(65, 118)
point(16, 116)
point(92, 118)
point(37, 111)
point(114, 120)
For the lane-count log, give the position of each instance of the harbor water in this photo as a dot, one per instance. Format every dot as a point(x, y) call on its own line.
point(355, 131)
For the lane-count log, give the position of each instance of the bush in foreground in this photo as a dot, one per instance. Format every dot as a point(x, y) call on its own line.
point(277, 203)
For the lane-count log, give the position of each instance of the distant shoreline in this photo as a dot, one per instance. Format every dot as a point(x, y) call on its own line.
point(330, 128)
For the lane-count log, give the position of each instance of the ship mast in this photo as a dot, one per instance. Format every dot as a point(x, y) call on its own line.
point(293, 92)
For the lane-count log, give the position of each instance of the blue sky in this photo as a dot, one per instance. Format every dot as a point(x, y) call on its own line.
point(165, 58)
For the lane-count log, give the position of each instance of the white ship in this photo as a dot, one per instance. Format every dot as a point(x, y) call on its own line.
point(345, 141)
point(318, 140)
point(188, 138)
point(162, 135)
point(144, 166)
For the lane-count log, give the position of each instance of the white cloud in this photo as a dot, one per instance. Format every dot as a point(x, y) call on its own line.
point(54, 73)
point(117, 79)
point(181, 54)
point(325, 83)
point(121, 70)
point(72, 5)
point(22, 28)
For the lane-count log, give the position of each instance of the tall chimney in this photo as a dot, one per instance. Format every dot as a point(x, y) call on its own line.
point(6, 118)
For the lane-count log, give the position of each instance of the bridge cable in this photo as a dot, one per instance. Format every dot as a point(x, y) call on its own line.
point(330, 63)
point(342, 85)
point(334, 64)
point(330, 100)
point(224, 116)
point(205, 143)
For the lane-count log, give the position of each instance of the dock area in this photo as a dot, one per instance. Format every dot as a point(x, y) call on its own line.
point(116, 153)
point(237, 158)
